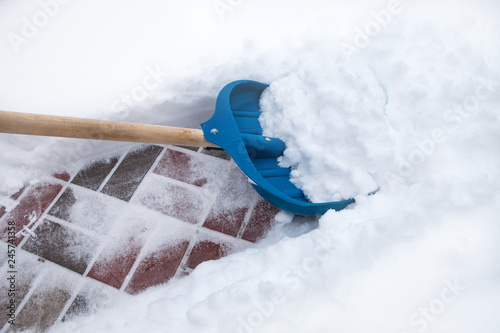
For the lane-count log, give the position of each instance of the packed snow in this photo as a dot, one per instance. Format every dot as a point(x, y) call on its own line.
point(394, 103)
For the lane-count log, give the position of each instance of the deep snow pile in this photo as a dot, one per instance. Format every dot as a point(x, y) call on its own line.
point(352, 127)
point(399, 97)
point(340, 158)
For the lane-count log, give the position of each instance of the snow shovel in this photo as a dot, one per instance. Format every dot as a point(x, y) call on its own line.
point(234, 127)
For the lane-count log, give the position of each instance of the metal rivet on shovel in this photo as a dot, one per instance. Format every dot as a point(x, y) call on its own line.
point(237, 112)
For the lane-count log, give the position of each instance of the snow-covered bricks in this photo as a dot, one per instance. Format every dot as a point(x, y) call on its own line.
point(124, 224)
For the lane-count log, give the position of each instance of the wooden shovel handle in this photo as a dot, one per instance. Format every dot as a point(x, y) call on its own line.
point(70, 127)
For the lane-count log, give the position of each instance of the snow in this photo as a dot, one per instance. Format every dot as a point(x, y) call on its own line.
point(397, 97)
point(358, 141)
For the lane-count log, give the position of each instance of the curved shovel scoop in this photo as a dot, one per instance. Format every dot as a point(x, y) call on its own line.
point(233, 127)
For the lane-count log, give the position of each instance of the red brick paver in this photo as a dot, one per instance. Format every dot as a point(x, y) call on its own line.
point(31, 206)
point(157, 267)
